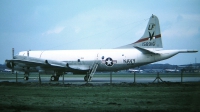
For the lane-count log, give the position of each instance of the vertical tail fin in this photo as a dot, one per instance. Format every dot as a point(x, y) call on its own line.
point(151, 37)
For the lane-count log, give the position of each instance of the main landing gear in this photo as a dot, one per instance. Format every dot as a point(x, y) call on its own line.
point(26, 76)
point(56, 76)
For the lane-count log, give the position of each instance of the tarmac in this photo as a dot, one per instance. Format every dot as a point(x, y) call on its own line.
point(102, 79)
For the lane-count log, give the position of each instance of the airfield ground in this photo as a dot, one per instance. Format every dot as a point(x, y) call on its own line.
point(101, 78)
point(46, 97)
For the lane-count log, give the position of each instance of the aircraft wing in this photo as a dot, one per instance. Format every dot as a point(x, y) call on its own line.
point(25, 61)
point(29, 63)
point(80, 67)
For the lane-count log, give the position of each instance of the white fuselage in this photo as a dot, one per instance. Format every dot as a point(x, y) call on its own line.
point(121, 58)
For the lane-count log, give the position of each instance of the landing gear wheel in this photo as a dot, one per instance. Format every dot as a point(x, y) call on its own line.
point(26, 78)
point(53, 78)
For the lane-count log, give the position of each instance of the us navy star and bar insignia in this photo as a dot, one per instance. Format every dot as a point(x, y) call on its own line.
point(109, 62)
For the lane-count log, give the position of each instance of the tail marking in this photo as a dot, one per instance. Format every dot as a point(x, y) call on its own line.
point(147, 38)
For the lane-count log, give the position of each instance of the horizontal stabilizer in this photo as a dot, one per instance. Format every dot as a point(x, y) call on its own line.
point(188, 51)
point(145, 51)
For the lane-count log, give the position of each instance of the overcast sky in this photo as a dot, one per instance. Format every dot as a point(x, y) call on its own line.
point(97, 24)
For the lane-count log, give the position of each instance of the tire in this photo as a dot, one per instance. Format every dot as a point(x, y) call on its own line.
point(53, 78)
point(26, 78)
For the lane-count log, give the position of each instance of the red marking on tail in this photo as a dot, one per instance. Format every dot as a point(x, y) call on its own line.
point(144, 39)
